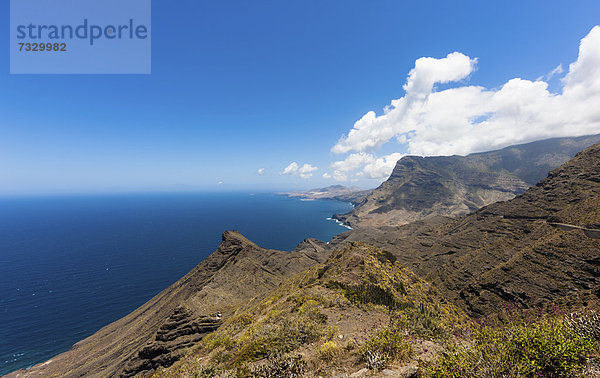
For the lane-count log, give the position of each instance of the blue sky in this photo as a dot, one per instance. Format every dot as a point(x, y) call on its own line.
point(237, 86)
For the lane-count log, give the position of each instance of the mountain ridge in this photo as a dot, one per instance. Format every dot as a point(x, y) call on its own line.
point(423, 187)
point(477, 260)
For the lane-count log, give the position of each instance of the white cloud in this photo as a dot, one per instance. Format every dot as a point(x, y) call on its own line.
point(326, 176)
point(381, 168)
point(352, 162)
point(304, 171)
point(339, 176)
point(468, 118)
point(291, 169)
point(372, 131)
point(557, 71)
point(371, 166)
point(429, 71)
point(261, 171)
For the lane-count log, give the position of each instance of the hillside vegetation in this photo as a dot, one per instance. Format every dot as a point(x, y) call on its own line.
point(361, 308)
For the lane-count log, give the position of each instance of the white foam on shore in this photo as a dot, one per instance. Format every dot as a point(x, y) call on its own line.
point(339, 223)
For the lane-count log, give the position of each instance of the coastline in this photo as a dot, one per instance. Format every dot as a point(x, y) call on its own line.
point(340, 223)
point(148, 233)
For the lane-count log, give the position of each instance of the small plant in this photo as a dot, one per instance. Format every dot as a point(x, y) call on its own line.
point(386, 257)
point(385, 346)
point(424, 321)
point(281, 366)
point(207, 372)
point(376, 361)
point(367, 293)
point(545, 347)
point(328, 351)
point(585, 325)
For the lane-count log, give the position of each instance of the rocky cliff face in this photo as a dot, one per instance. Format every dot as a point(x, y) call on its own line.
point(510, 251)
point(420, 188)
point(158, 333)
point(181, 330)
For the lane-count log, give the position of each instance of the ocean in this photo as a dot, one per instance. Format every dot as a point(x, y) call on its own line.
point(70, 265)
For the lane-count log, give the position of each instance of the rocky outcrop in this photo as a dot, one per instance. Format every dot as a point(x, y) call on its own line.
point(180, 331)
point(424, 187)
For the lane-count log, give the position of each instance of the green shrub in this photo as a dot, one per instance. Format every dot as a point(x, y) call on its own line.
point(546, 348)
point(367, 293)
point(322, 271)
point(208, 372)
point(213, 341)
point(386, 345)
point(274, 339)
point(386, 257)
point(328, 351)
point(423, 321)
point(281, 366)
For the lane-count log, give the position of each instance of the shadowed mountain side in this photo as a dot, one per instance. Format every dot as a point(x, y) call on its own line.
point(508, 251)
point(157, 333)
point(424, 187)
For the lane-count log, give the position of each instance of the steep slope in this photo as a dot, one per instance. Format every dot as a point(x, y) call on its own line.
point(420, 188)
point(509, 251)
point(157, 333)
point(331, 317)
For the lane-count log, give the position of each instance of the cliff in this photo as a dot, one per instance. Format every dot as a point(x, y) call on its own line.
point(425, 187)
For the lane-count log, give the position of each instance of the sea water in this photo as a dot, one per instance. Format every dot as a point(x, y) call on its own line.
point(71, 265)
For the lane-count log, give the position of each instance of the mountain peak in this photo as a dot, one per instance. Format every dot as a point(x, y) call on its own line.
point(234, 237)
